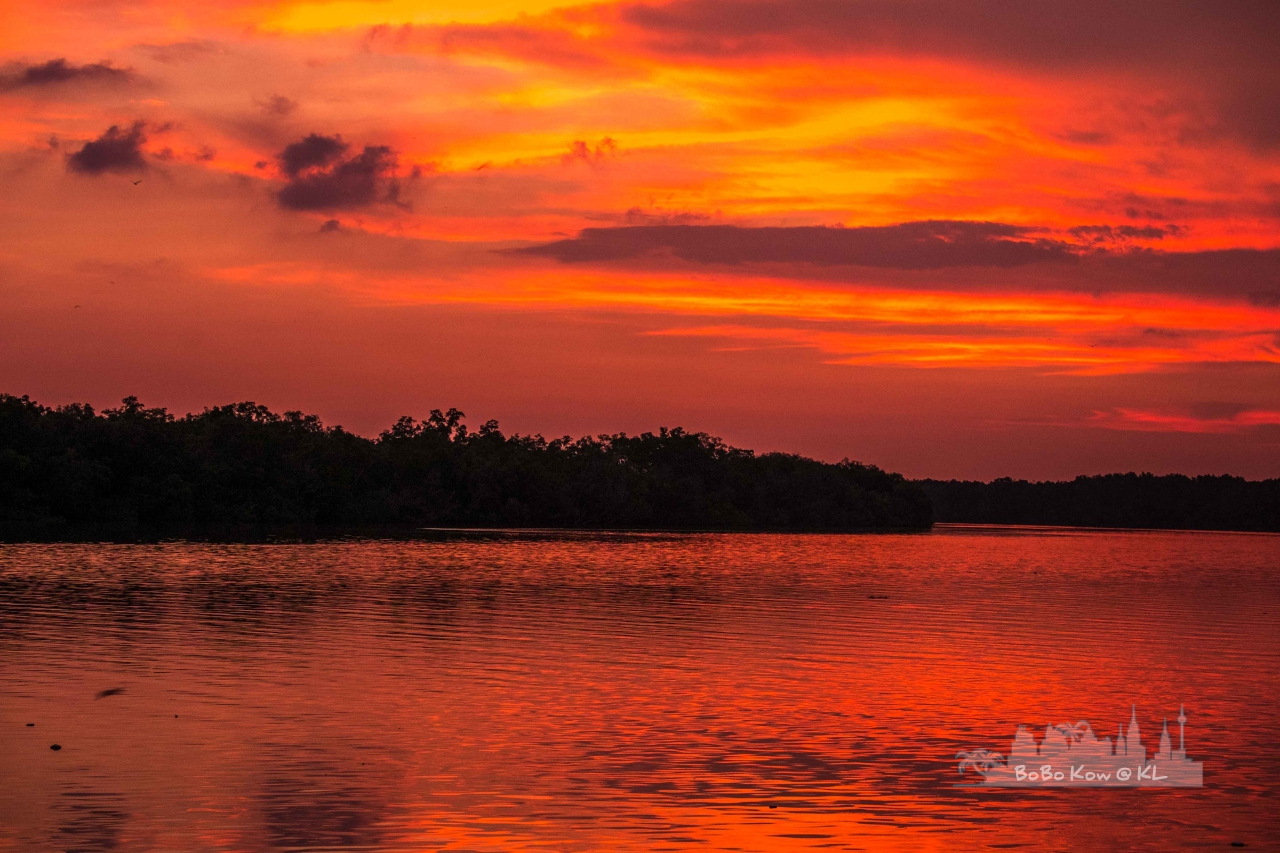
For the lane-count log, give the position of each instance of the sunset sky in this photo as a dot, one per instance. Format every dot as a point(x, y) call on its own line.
point(968, 239)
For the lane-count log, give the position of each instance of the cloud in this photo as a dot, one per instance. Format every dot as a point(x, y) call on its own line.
point(1199, 418)
point(59, 71)
point(1086, 137)
point(175, 53)
point(1216, 410)
point(1097, 234)
point(321, 177)
point(310, 152)
point(657, 216)
point(580, 150)
point(1206, 67)
point(1209, 66)
point(912, 245)
point(114, 151)
point(1103, 261)
point(278, 105)
point(1243, 273)
point(1225, 51)
point(551, 39)
point(1088, 34)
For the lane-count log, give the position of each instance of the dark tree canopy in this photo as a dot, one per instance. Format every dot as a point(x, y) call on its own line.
point(134, 470)
point(1172, 502)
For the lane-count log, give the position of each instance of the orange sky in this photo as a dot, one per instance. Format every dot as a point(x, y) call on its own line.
point(953, 239)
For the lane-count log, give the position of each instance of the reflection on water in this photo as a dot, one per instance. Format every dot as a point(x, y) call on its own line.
point(637, 692)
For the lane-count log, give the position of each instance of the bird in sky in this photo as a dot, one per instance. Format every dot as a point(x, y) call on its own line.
point(140, 180)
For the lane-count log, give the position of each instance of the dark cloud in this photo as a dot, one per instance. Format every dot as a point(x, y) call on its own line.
point(1226, 51)
point(1216, 411)
point(57, 71)
point(640, 216)
point(1086, 137)
point(981, 255)
point(114, 151)
point(1087, 34)
point(180, 52)
point(1236, 273)
point(1248, 108)
point(278, 105)
point(321, 177)
point(1097, 234)
point(911, 245)
point(311, 152)
point(1138, 213)
point(581, 150)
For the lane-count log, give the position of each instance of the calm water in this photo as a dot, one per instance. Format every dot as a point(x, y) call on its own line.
point(628, 692)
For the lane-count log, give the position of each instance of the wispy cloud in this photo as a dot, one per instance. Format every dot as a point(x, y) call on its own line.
point(1140, 420)
point(58, 72)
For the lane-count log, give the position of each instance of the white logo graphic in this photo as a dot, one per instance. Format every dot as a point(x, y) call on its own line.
point(1072, 756)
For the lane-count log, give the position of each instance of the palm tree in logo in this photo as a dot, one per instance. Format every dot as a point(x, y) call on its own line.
point(1075, 732)
point(982, 760)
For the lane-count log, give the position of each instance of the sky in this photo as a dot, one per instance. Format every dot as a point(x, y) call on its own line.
point(952, 239)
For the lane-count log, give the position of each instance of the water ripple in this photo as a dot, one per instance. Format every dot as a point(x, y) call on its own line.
point(625, 692)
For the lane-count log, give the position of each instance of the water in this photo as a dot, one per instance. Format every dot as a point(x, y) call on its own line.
point(646, 692)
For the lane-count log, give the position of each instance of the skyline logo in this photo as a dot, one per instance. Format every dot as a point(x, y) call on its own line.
point(1070, 755)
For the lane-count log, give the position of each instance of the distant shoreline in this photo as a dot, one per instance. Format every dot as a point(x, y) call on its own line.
point(244, 473)
point(1112, 501)
point(290, 535)
point(961, 527)
point(287, 536)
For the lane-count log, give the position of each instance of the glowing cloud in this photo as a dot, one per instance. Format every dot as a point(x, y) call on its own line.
point(1013, 192)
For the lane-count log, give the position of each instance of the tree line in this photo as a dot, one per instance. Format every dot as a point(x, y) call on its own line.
point(71, 471)
point(1169, 502)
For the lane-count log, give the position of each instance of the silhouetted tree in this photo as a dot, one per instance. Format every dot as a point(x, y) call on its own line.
point(1112, 500)
point(133, 470)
